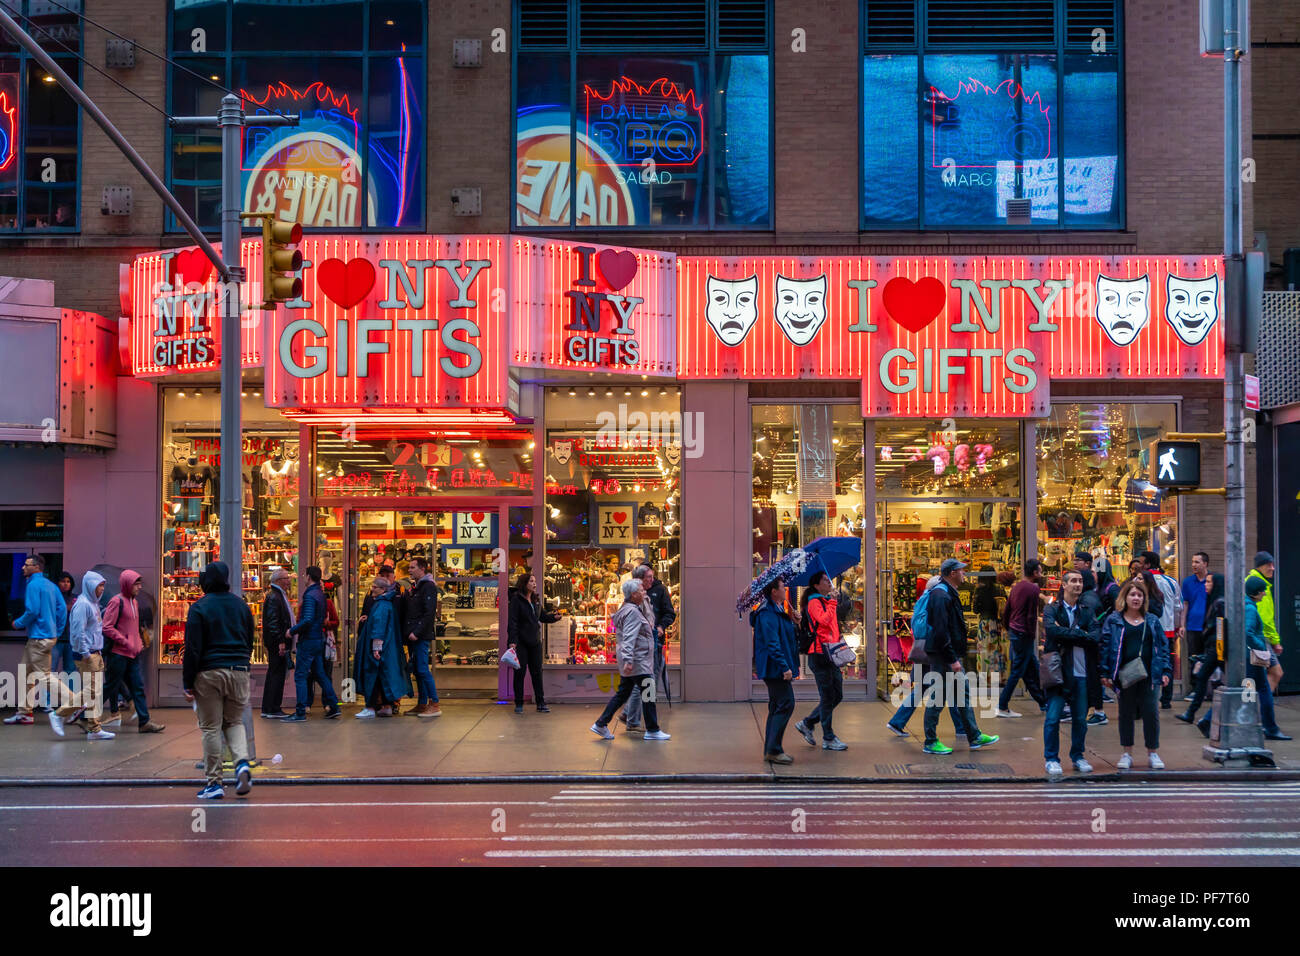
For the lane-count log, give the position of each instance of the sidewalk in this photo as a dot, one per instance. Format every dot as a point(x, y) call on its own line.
point(481, 741)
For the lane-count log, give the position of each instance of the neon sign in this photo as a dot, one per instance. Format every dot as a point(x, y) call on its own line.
point(8, 131)
point(968, 145)
point(309, 174)
point(659, 123)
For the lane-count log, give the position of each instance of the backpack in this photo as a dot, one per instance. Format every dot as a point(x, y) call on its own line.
point(920, 629)
point(804, 633)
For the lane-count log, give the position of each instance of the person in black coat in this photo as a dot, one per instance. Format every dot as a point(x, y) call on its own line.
point(277, 618)
point(421, 627)
point(215, 676)
point(946, 645)
point(1072, 630)
point(524, 634)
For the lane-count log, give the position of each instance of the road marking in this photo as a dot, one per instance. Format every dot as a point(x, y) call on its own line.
point(871, 836)
point(1011, 824)
point(300, 840)
point(275, 806)
point(899, 853)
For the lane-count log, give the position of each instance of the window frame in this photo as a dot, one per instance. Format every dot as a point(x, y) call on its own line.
point(364, 54)
point(712, 49)
point(71, 64)
point(1059, 49)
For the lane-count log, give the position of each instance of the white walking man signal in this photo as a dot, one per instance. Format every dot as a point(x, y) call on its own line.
point(1168, 463)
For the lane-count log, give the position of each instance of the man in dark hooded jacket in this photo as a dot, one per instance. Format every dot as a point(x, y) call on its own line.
point(218, 646)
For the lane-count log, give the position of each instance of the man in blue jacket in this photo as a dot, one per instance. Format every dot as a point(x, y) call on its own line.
point(44, 617)
point(310, 631)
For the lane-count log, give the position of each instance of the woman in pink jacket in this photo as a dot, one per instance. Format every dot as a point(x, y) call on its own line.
point(122, 646)
point(820, 616)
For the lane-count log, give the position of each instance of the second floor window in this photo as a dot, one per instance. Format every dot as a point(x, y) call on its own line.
point(990, 114)
point(676, 135)
point(39, 122)
point(354, 71)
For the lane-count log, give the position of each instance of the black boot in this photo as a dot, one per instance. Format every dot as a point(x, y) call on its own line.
point(1203, 726)
point(1188, 716)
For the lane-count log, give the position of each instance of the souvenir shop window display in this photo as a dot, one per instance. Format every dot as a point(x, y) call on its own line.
point(191, 520)
point(1093, 489)
point(612, 497)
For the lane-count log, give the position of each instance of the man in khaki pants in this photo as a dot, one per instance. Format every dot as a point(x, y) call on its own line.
point(45, 612)
point(218, 646)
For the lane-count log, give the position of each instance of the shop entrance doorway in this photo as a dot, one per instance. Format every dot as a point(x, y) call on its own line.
point(468, 546)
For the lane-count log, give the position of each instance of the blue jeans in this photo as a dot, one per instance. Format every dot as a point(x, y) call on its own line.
point(830, 691)
point(1075, 693)
point(423, 676)
point(1024, 666)
point(905, 712)
point(61, 661)
point(942, 691)
point(311, 666)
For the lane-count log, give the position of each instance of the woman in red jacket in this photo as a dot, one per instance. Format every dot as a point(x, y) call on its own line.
point(818, 612)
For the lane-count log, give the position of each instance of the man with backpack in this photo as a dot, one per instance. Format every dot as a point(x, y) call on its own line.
point(946, 645)
point(920, 632)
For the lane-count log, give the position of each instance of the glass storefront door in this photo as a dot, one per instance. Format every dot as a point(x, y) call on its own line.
point(470, 563)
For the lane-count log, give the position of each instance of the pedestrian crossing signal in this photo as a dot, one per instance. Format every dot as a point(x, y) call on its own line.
point(1175, 464)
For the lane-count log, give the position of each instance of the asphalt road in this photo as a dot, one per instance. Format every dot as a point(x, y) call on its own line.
point(620, 824)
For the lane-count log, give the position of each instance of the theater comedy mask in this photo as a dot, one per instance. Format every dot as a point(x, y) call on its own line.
point(800, 307)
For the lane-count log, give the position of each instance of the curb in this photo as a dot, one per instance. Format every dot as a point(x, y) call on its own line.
point(1175, 776)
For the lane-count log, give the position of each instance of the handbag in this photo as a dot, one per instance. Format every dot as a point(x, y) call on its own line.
point(1260, 658)
point(1132, 672)
point(840, 653)
point(918, 654)
point(510, 658)
point(1050, 673)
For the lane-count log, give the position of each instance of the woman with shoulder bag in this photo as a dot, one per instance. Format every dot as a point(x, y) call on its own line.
point(524, 634)
point(818, 613)
point(1136, 657)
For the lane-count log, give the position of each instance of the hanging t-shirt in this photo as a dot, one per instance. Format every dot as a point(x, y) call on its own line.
point(191, 489)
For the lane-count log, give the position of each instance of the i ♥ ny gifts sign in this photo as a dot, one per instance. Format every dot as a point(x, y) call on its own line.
point(976, 336)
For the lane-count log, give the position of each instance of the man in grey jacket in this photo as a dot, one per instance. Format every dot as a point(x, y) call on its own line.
point(636, 644)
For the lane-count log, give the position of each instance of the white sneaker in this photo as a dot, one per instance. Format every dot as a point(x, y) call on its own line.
point(56, 723)
point(1008, 713)
point(1054, 768)
point(657, 735)
point(1125, 762)
point(365, 713)
point(1082, 766)
point(603, 733)
point(112, 722)
point(1153, 759)
point(100, 735)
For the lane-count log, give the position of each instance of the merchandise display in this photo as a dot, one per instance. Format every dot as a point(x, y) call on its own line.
point(191, 524)
point(1093, 489)
point(612, 498)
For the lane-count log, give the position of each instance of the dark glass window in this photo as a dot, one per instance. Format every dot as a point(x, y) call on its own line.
point(356, 77)
point(677, 137)
point(992, 115)
point(40, 123)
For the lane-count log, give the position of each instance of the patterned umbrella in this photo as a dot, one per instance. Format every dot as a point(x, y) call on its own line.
point(791, 565)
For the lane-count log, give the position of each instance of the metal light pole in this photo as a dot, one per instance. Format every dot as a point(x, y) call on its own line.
point(1238, 711)
point(230, 120)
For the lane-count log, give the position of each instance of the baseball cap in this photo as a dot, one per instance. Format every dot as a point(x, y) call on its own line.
point(1256, 586)
point(950, 565)
point(1262, 558)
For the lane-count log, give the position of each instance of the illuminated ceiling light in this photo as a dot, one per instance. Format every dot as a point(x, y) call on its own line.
point(47, 78)
point(180, 394)
point(591, 393)
point(627, 391)
point(555, 512)
point(663, 391)
point(214, 77)
point(388, 23)
point(609, 392)
point(645, 392)
point(243, 395)
point(257, 392)
point(531, 444)
point(573, 391)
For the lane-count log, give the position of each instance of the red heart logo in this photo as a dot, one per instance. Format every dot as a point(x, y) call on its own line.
point(347, 283)
point(190, 266)
point(478, 516)
point(620, 517)
point(914, 305)
point(618, 267)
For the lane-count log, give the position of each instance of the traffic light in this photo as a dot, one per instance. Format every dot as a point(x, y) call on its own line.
point(1175, 464)
point(280, 264)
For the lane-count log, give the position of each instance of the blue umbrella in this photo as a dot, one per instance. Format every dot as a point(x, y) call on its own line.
point(834, 555)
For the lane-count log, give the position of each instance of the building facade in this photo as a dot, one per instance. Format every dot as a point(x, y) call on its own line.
point(922, 277)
